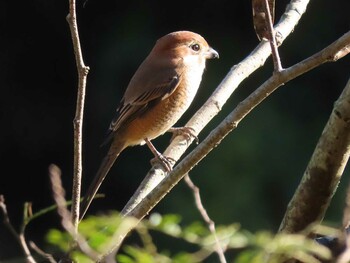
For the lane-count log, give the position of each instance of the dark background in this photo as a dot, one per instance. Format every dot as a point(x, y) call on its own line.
point(248, 179)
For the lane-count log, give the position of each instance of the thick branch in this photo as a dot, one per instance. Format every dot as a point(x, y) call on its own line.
point(322, 175)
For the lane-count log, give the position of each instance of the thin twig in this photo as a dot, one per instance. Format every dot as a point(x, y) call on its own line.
point(58, 195)
point(147, 240)
point(272, 39)
point(207, 219)
point(42, 253)
point(78, 120)
point(18, 236)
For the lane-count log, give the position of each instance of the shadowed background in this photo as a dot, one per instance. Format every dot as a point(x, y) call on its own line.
point(249, 178)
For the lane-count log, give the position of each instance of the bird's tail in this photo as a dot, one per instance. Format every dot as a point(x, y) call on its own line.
point(113, 152)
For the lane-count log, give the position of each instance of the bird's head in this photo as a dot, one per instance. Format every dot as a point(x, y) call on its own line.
point(188, 46)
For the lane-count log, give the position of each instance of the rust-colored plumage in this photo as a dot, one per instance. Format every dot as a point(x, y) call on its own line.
point(160, 91)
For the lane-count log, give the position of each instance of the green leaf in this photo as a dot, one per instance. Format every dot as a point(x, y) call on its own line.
point(183, 257)
point(58, 238)
point(139, 255)
point(122, 258)
point(249, 256)
point(168, 224)
point(81, 258)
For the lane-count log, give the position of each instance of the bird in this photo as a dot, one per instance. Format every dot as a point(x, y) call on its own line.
point(160, 91)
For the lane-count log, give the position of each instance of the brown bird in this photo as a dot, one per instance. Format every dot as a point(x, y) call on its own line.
point(160, 91)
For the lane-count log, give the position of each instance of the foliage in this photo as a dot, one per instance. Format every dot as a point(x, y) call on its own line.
point(242, 246)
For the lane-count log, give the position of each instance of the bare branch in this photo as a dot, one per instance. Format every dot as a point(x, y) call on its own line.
point(58, 195)
point(259, 17)
point(341, 53)
point(272, 38)
point(42, 253)
point(78, 120)
point(18, 236)
point(326, 166)
point(207, 219)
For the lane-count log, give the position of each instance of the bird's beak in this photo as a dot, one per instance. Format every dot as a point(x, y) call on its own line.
point(211, 53)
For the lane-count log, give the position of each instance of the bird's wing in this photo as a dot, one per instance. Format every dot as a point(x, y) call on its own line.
point(141, 95)
point(152, 81)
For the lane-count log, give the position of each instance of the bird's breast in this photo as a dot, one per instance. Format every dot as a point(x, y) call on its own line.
point(162, 116)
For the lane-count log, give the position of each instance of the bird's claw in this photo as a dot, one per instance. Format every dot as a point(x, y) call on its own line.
point(187, 132)
point(166, 162)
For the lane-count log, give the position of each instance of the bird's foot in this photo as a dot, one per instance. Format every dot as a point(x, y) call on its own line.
point(166, 162)
point(187, 132)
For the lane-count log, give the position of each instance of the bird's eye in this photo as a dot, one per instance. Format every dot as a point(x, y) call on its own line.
point(195, 47)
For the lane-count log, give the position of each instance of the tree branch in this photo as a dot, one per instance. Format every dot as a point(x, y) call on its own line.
point(59, 197)
point(18, 236)
point(272, 38)
point(48, 257)
point(78, 120)
point(323, 173)
point(211, 224)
